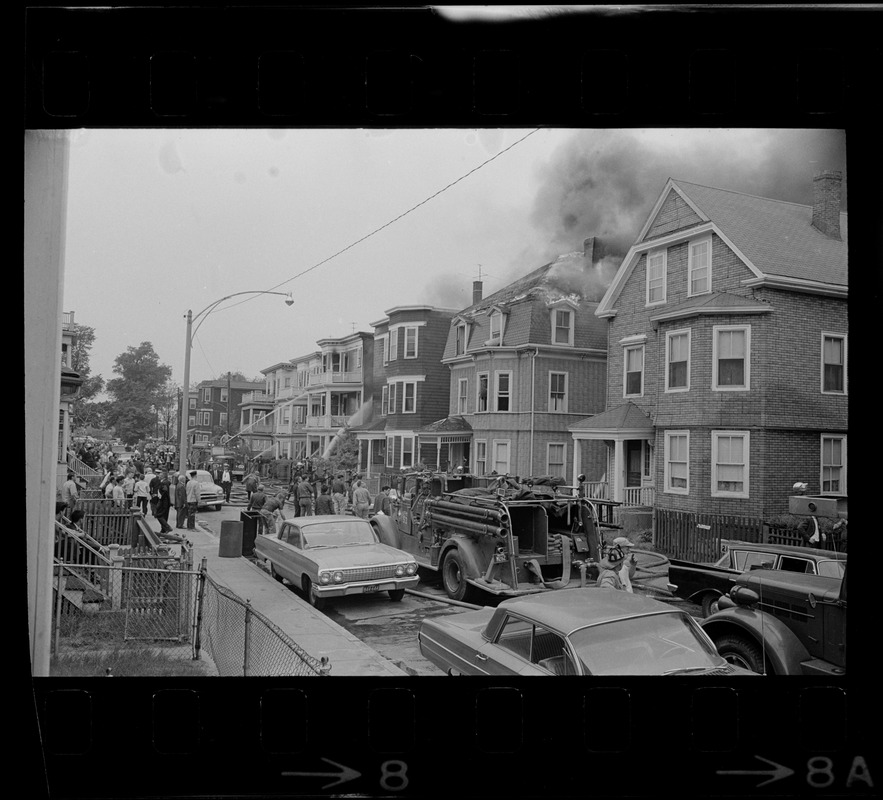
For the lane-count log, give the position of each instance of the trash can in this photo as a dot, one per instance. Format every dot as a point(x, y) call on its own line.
point(249, 520)
point(231, 539)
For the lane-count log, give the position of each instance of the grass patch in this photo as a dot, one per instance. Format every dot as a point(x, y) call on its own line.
point(129, 661)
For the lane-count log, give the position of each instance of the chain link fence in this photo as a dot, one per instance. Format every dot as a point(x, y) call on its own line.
point(242, 641)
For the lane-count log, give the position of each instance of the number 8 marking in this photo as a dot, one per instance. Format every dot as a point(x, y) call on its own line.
point(393, 776)
point(819, 773)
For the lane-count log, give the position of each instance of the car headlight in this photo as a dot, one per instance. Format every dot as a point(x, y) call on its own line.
point(411, 567)
point(400, 570)
point(338, 577)
point(324, 577)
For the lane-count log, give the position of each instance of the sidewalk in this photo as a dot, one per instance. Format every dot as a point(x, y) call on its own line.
point(311, 629)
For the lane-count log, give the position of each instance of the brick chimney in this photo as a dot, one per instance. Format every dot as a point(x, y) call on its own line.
point(826, 203)
point(593, 250)
point(477, 287)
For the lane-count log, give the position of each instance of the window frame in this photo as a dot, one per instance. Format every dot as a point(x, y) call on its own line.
point(843, 439)
point(715, 358)
point(384, 400)
point(663, 277)
point(569, 327)
point(207, 394)
point(549, 469)
point(496, 314)
point(564, 398)
point(667, 462)
point(625, 371)
point(411, 329)
point(405, 409)
point(461, 344)
point(481, 456)
point(410, 449)
point(844, 340)
point(392, 399)
point(691, 266)
point(497, 443)
point(745, 492)
point(390, 452)
point(393, 344)
point(498, 393)
point(688, 332)
point(487, 381)
point(462, 395)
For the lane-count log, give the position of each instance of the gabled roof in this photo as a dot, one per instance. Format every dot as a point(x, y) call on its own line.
point(776, 236)
point(623, 417)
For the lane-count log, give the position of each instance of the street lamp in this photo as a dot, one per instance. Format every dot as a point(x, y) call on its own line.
point(191, 332)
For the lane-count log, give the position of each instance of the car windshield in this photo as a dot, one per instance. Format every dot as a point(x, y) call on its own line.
point(205, 478)
point(339, 534)
point(832, 569)
point(654, 644)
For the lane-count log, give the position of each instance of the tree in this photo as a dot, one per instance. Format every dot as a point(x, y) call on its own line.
point(341, 456)
point(137, 392)
point(167, 410)
point(85, 410)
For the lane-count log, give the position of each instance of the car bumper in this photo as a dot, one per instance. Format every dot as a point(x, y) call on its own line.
point(365, 587)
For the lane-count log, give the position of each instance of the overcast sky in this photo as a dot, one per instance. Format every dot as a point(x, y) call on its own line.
point(162, 221)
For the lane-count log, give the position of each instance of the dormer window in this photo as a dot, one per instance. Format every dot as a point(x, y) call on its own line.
point(699, 267)
point(497, 325)
point(461, 338)
point(656, 277)
point(562, 318)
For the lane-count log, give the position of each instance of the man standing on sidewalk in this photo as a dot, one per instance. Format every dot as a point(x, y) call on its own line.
point(226, 482)
point(180, 501)
point(192, 500)
point(305, 498)
point(256, 503)
point(338, 494)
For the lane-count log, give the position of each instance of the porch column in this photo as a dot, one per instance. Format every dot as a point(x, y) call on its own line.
point(618, 467)
point(370, 454)
point(577, 458)
point(438, 465)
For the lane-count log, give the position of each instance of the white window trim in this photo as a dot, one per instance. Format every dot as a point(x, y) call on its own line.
point(664, 254)
point(402, 463)
point(465, 326)
point(384, 400)
point(566, 392)
point(717, 329)
point(484, 460)
point(667, 488)
point(508, 443)
point(625, 350)
point(491, 314)
point(394, 344)
point(833, 335)
point(207, 395)
point(390, 451)
point(715, 492)
point(668, 337)
point(416, 330)
point(549, 446)
point(552, 313)
point(843, 473)
point(497, 375)
point(478, 377)
point(463, 394)
point(392, 399)
point(405, 385)
point(690, 292)
point(384, 340)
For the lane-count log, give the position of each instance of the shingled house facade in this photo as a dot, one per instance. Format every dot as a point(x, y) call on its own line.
point(727, 351)
point(527, 362)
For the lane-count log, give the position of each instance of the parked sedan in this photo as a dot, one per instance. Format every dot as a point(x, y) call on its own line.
point(705, 584)
point(210, 494)
point(334, 556)
point(586, 631)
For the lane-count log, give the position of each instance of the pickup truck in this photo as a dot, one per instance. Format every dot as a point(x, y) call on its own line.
point(705, 584)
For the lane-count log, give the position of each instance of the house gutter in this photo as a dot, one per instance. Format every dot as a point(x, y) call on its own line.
point(533, 372)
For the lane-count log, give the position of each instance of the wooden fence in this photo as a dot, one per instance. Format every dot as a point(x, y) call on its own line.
point(697, 537)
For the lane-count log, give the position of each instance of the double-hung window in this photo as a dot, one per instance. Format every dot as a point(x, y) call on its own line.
point(562, 326)
point(503, 391)
point(677, 358)
point(480, 457)
point(497, 322)
point(390, 451)
point(699, 267)
point(206, 395)
point(460, 342)
point(462, 395)
point(407, 451)
point(555, 455)
point(391, 406)
point(731, 355)
point(393, 344)
point(729, 463)
point(833, 363)
point(833, 477)
point(633, 380)
point(409, 398)
point(482, 392)
point(384, 401)
point(411, 342)
point(501, 457)
point(656, 268)
point(677, 462)
point(557, 391)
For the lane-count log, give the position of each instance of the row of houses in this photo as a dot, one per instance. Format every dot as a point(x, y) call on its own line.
point(712, 374)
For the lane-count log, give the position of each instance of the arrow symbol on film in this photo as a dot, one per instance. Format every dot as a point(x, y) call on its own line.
point(342, 775)
point(776, 773)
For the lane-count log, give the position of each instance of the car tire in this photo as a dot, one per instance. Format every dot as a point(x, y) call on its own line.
point(708, 602)
point(741, 652)
point(454, 578)
point(396, 595)
point(219, 506)
point(307, 587)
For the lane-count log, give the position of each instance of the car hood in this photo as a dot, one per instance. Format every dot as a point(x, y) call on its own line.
point(357, 555)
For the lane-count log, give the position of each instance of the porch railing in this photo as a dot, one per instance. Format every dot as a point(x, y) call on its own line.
point(639, 496)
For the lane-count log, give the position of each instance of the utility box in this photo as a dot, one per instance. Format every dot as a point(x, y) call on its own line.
point(815, 506)
point(249, 522)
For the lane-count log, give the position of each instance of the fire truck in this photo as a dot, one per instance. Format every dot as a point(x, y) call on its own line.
point(503, 537)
